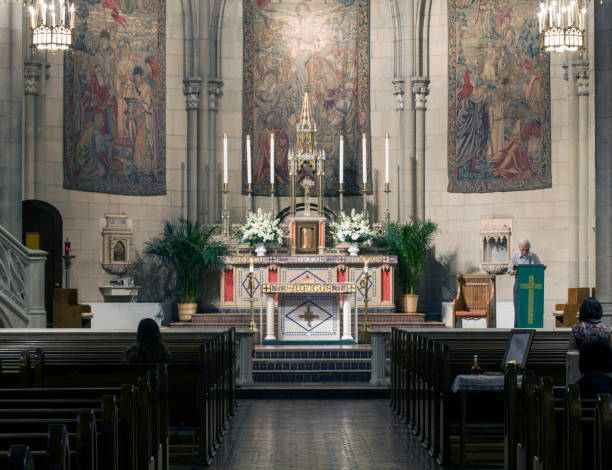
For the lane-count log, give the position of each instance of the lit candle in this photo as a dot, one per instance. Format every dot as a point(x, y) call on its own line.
point(365, 161)
point(341, 175)
point(224, 158)
point(251, 267)
point(386, 158)
point(272, 158)
point(365, 267)
point(248, 144)
point(67, 246)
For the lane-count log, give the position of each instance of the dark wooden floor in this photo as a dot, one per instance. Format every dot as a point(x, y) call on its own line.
point(319, 434)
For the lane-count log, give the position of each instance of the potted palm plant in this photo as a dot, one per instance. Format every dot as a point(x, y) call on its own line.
point(410, 243)
point(185, 248)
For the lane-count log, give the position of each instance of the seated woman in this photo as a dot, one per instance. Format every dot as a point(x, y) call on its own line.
point(590, 327)
point(595, 365)
point(149, 347)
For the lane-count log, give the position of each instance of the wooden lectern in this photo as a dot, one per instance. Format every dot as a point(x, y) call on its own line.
point(67, 312)
point(530, 296)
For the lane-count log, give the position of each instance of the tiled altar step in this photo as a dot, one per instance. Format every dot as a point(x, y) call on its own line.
point(312, 365)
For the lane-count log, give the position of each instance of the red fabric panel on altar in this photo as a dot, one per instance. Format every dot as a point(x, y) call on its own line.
point(386, 285)
point(272, 279)
point(341, 278)
point(321, 235)
point(292, 234)
point(228, 285)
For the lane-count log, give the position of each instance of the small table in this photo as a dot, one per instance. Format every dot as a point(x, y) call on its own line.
point(466, 383)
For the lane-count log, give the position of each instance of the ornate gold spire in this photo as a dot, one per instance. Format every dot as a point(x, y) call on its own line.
point(306, 130)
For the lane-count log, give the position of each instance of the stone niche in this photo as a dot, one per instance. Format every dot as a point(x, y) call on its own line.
point(117, 243)
point(495, 244)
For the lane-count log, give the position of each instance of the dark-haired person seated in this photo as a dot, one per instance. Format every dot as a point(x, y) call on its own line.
point(595, 365)
point(589, 327)
point(149, 347)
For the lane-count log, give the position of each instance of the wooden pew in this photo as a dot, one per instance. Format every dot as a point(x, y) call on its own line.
point(202, 375)
point(425, 363)
point(56, 455)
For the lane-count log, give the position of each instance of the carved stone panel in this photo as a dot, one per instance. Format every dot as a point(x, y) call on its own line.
point(117, 243)
point(495, 244)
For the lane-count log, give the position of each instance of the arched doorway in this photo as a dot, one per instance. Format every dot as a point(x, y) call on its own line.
point(42, 222)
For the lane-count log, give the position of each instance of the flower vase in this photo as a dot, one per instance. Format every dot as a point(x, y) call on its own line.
point(260, 249)
point(353, 249)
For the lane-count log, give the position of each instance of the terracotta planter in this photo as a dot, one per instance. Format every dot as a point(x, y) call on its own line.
point(408, 303)
point(186, 311)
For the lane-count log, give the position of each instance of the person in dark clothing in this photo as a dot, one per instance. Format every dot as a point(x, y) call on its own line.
point(595, 365)
point(149, 347)
point(590, 327)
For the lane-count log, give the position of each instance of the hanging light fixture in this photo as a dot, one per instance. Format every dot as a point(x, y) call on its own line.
point(52, 23)
point(562, 26)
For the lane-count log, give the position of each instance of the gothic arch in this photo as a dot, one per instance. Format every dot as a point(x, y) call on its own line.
point(421, 53)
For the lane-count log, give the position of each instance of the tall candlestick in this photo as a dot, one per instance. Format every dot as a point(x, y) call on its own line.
point(341, 169)
point(386, 158)
point(365, 160)
point(224, 158)
point(248, 146)
point(272, 158)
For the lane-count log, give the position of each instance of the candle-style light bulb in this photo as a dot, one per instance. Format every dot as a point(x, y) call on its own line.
point(251, 266)
point(365, 267)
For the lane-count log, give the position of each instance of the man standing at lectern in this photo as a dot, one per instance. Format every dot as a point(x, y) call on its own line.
point(523, 256)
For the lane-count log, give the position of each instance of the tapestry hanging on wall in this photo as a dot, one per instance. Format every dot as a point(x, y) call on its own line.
point(289, 46)
point(114, 99)
point(498, 98)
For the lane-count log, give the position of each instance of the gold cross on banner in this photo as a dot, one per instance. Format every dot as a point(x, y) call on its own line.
point(532, 287)
point(309, 316)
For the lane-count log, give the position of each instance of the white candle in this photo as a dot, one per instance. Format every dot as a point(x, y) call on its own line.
point(33, 17)
point(386, 158)
point(63, 13)
point(341, 170)
point(224, 158)
point(251, 267)
point(272, 158)
point(249, 175)
point(72, 15)
point(44, 13)
point(365, 160)
point(365, 267)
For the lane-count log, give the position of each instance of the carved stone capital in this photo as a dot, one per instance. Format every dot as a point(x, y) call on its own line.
point(420, 90)
point(215, 92)
point(32, 72)
point(581, 75)
point(191, 89)
point(399, 88)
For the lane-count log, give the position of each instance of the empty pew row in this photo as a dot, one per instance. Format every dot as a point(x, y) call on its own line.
point(94, 428)
point(200, 385)
point(548, 427)
point(424, 364)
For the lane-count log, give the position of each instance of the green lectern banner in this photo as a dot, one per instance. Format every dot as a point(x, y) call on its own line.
point(530, 296)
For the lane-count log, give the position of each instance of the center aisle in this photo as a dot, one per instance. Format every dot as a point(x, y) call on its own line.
point(319, 434)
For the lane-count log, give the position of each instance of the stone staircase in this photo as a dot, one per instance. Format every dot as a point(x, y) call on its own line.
point(312, 364)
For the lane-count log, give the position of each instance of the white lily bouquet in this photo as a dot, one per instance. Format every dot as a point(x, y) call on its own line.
point(260, 227)
point(354, 228)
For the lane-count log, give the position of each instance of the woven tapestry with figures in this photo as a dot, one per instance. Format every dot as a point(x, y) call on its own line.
point(498, 98)
point(114, 99)
point(288, 46)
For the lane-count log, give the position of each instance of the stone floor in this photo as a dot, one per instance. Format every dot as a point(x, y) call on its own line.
point(319, 434)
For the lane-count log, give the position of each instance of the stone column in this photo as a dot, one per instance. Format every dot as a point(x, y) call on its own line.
point(574, 164)
point(33, 71)
point(379, 340)
point(603, 149)
point(11, 95)
point(585, 159)
point(245, 357)
point(213, 177)
point(346, 318)
point(191, 90)
point(420, 90)
point(270, 318)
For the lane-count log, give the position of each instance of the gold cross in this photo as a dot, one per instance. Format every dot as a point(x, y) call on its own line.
point(532, 287)
point(309, 316)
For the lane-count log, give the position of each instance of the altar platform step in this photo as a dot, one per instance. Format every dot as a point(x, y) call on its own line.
point(296, 390)
point(312, 364)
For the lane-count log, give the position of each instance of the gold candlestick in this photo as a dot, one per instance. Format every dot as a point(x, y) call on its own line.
point(225, 216)
point(364, 284)
point(341, 191)
point(272, 198)
point(249, 198)
point(252, 324)
point(365, 205)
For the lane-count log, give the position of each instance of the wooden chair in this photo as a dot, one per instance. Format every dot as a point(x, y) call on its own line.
point(67, 312)
point(475, 297)
point(566, 315)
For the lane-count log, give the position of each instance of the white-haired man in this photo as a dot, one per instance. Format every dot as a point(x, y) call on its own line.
point(523, 256)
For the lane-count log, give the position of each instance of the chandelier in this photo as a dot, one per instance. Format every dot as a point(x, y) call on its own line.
point(561, 24)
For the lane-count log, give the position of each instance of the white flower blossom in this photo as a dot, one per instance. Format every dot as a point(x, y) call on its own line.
point(260, 227)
